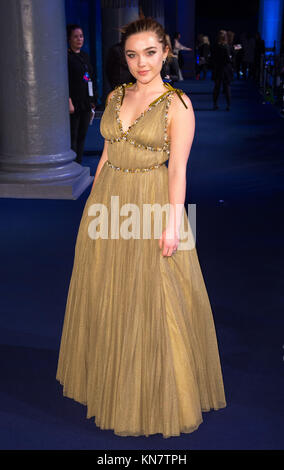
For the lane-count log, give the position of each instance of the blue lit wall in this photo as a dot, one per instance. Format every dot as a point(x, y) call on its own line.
point(270, 22)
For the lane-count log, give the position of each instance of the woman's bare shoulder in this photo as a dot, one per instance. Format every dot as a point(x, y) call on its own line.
point(181, 110)
point(181, 128)
point(181, 118)
point(180, 101)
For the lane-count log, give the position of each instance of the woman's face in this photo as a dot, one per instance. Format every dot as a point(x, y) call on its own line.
point(76, 40)
point(144, 53)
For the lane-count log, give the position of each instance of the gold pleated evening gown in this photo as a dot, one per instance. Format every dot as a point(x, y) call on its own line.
point(138, 345)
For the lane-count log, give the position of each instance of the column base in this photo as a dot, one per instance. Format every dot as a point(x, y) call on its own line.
point(65, 189)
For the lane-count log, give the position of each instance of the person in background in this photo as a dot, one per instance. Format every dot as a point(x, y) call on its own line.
point(170, 69)
point(117, 71)
point(239, 52)
point(249, 57)
point(116, 68)
point(178, 47)
point(259, 51)
point(232, 52)
point(198, 42)
point(244, 63)
point(204, 54)
point(222, 68)
point(82, 95)
point(232, 47)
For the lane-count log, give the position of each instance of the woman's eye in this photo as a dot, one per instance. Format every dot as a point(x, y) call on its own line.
point(132, 55)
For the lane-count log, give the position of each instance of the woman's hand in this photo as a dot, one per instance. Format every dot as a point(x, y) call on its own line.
point(169, 241)
point(71, 107)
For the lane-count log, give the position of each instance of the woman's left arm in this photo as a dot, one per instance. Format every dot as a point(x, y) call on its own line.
point(181, 131)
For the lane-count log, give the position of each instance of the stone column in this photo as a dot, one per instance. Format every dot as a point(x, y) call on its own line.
point(35, 156)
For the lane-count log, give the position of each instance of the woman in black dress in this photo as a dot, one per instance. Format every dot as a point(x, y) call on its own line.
point(222, 71)
point(82, 96)
point(204, 55)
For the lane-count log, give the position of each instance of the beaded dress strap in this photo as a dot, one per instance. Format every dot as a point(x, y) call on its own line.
point(178, 91)
point(126, 85)
point(115, 88)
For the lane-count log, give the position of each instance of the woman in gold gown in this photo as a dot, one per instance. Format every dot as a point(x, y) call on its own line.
point(139, 345)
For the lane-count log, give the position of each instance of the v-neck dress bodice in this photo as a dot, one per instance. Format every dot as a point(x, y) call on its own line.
point(141, 115)
point(146, 141)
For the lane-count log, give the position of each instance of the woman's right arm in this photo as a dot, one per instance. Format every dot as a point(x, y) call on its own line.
point(104, 157)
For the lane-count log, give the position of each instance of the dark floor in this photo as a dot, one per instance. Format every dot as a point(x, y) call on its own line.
point(235, 178)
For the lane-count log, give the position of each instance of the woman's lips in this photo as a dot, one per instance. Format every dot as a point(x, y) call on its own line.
point(143, 72)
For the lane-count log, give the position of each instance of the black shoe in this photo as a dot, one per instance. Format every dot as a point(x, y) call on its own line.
point(215, 107)
point(228, 108)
